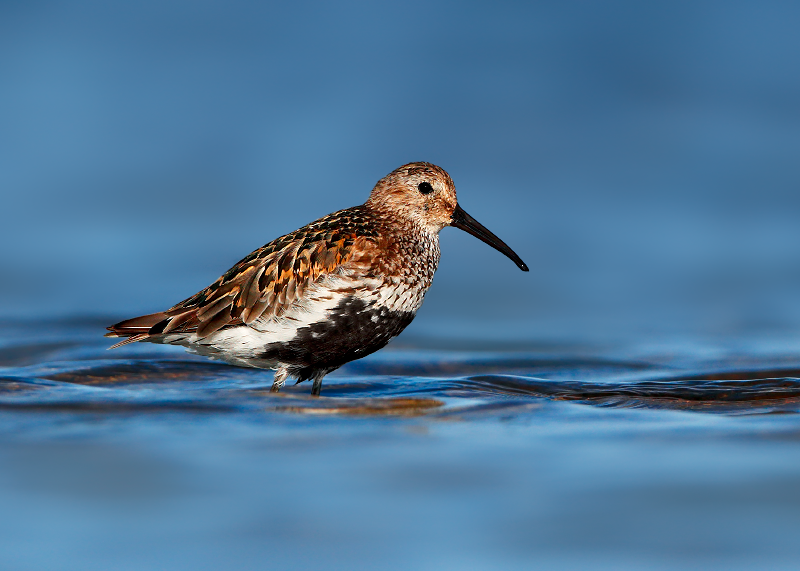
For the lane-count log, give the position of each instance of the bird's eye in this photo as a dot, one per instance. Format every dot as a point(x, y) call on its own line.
point(425, 187)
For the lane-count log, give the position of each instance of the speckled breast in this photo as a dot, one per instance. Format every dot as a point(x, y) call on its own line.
point(385, 294)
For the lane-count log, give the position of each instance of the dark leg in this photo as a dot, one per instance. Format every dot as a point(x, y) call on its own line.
point(315, 388)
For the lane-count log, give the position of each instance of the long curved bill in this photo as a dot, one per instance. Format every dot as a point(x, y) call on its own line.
point(468, 224)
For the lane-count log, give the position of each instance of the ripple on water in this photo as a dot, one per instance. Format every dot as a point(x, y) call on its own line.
point(479, 450)
point(58, 374)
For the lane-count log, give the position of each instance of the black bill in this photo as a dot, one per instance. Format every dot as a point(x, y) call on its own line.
point(468, 224)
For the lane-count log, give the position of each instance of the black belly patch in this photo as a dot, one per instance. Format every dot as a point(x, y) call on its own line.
point(353, 330)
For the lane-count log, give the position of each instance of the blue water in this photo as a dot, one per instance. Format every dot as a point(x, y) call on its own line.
point(425, 455)
point(628, 404)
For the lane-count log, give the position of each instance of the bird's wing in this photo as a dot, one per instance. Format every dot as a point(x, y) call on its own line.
point(264, 284)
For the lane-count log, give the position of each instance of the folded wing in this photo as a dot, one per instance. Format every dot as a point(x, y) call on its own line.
point(262, 285)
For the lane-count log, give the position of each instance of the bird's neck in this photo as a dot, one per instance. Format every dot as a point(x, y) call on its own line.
point(400, 223)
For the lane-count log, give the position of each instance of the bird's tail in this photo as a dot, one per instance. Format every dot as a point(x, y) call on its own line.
point(136, 329)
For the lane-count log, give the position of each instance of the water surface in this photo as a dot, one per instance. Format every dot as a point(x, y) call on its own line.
point(428, 454)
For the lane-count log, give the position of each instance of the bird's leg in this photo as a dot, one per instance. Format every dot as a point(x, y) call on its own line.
point(280, 379)
point(315, 388)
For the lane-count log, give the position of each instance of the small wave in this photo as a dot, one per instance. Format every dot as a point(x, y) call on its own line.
point(711, 392)
point(80, 376)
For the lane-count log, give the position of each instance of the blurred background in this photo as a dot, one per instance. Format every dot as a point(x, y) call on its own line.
point(631, 403)
point(642, 158)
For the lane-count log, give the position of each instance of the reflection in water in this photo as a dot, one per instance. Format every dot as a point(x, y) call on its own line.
point(394, 388)
point(368, 407)
point(479, 459)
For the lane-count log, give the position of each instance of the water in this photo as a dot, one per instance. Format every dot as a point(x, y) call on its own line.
point(628, 404)
point(425, 455)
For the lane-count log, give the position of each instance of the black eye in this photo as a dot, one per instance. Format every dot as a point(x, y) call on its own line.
point(425, 187)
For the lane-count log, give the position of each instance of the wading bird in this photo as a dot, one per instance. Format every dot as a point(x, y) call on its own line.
point(333, 291)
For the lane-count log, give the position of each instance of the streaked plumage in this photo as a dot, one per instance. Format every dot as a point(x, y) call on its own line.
point(333, 291)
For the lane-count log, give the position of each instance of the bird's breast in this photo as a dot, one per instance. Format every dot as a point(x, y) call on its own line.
point(396, 270)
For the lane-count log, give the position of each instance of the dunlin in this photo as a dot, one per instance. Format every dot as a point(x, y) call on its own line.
point(333, 291)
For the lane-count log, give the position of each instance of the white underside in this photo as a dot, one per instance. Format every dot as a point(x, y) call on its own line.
point(242, 345)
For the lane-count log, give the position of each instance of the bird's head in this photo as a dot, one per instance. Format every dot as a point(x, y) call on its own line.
point(424, 194)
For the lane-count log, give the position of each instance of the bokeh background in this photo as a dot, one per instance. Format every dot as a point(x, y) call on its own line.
point(642, 158)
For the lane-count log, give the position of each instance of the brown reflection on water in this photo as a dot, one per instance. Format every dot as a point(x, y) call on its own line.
point(366, 407)
point(141, 372)
point(12, 385)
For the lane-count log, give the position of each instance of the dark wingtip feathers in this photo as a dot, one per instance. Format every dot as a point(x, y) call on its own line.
point(135, 329)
